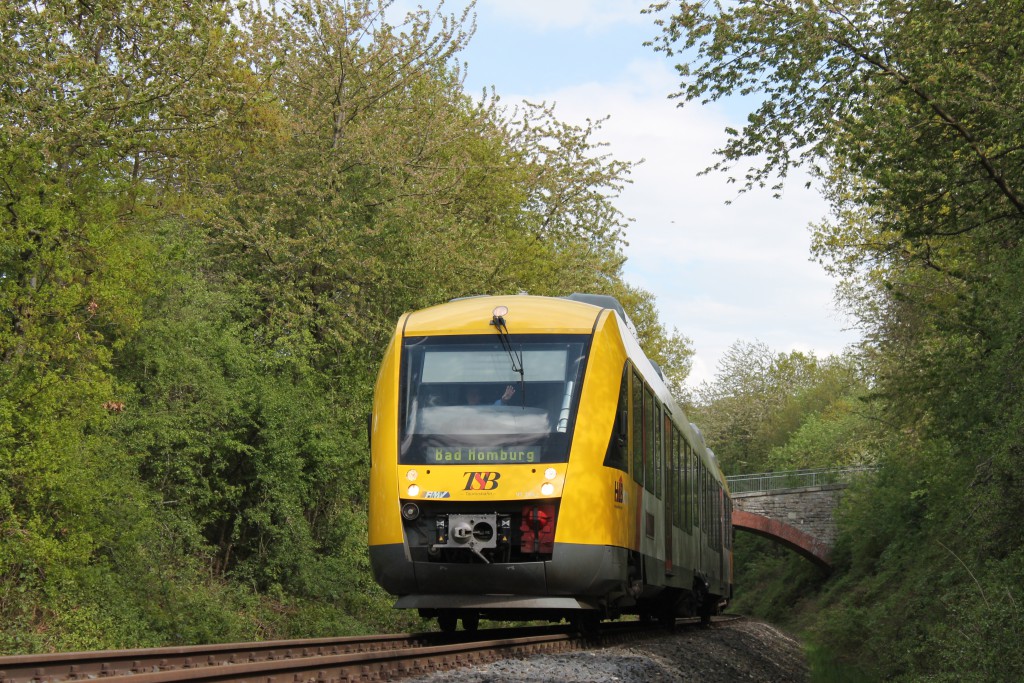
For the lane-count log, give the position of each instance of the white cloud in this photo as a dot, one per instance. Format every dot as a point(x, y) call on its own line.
point(721, 273)
point(587, 15)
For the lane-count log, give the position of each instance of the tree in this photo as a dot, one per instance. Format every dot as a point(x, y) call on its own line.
point(904, 110)
point(929, 82)
point(368, 184)
point(212, 215)
point(767, 410)
point(99, 107)
point(907, 113)
point(387, 188)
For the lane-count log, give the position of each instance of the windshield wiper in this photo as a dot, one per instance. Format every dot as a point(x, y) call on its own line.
point(498, 320)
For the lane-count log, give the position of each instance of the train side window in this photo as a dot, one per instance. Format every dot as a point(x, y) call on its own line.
point(678, 472)
point(717, 532)
point(698, 495)
point(649, 424)
point(703, 485)
point(636, 408)
point(699, 487)
point(694, 492)
point(711, 509)
point(659, 458)
point(725, 516)
point(684, 484)
point(618, 444)
point(710, 486)
point(670, 463)
point(728, 523)
point(714, 514)
point(711, 506)
point(707, 504)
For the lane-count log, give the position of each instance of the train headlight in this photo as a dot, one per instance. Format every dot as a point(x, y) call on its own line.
point(547, 489)
point(410, 511)
point(411, 475)
point(550, 473)
point(414, 490)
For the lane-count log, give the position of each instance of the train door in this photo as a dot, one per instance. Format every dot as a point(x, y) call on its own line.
point(686, 499)
point(730, 533)
point(636, 409)
point(695, 509)
point(705, 521)
point(711, 566)
point(720, 531)
point(652, 480)
point(669, 464)
point(715, 555)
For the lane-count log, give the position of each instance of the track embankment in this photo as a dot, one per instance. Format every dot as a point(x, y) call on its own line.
point(536, 653)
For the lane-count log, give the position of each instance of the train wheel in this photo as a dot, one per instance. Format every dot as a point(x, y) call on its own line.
point(706, 609)
point(447, 622)
point(705, 602)
point(587, 624)
point(471, 622)
point(667, 620)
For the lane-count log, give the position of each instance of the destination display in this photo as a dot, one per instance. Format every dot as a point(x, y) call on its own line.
point(473, 454)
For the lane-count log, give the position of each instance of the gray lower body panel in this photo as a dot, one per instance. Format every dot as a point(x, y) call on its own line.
point(574, 572)
point(491, 602)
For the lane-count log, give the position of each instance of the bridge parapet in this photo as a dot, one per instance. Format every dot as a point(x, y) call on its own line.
point(794, 479)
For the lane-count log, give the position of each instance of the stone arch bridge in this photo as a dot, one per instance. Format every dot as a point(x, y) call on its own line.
point(793, 508)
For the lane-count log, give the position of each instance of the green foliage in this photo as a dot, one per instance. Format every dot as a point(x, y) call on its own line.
point(914, 601)
point(840, 434)
point(768, 411)
point(906, 111)
point(211, 217)
point(773, 581)
point(983, 623)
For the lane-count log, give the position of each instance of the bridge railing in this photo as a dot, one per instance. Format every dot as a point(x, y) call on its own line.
point(794, 479)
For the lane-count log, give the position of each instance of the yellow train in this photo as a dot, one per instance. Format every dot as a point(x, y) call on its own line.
point(528, 462)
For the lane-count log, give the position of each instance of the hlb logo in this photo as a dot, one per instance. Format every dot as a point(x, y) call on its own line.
point(619, 490)
point(481, 481)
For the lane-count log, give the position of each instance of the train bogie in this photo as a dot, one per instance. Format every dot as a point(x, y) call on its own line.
point(528, 462)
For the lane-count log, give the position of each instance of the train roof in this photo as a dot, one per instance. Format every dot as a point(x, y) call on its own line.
point(525, 314)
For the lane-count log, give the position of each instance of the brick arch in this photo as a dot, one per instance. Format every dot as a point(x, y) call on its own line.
point(813, 549)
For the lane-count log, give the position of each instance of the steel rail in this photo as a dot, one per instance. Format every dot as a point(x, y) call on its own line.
point(322, 660)
point(367, 666)
point(106, 663)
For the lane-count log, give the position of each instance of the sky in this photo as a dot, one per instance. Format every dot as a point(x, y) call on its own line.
point(720, 272)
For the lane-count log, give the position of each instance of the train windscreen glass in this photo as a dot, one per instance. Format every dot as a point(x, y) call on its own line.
point(464, 400)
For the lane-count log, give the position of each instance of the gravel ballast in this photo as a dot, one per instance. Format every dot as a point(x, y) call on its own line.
point(741, 650)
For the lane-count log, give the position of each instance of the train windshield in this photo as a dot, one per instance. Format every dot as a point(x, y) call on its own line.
point(465, 401)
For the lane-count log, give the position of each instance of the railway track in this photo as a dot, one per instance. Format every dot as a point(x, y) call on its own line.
point(321, 660)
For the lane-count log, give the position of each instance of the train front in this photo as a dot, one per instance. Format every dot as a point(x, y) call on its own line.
point(474, 418)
